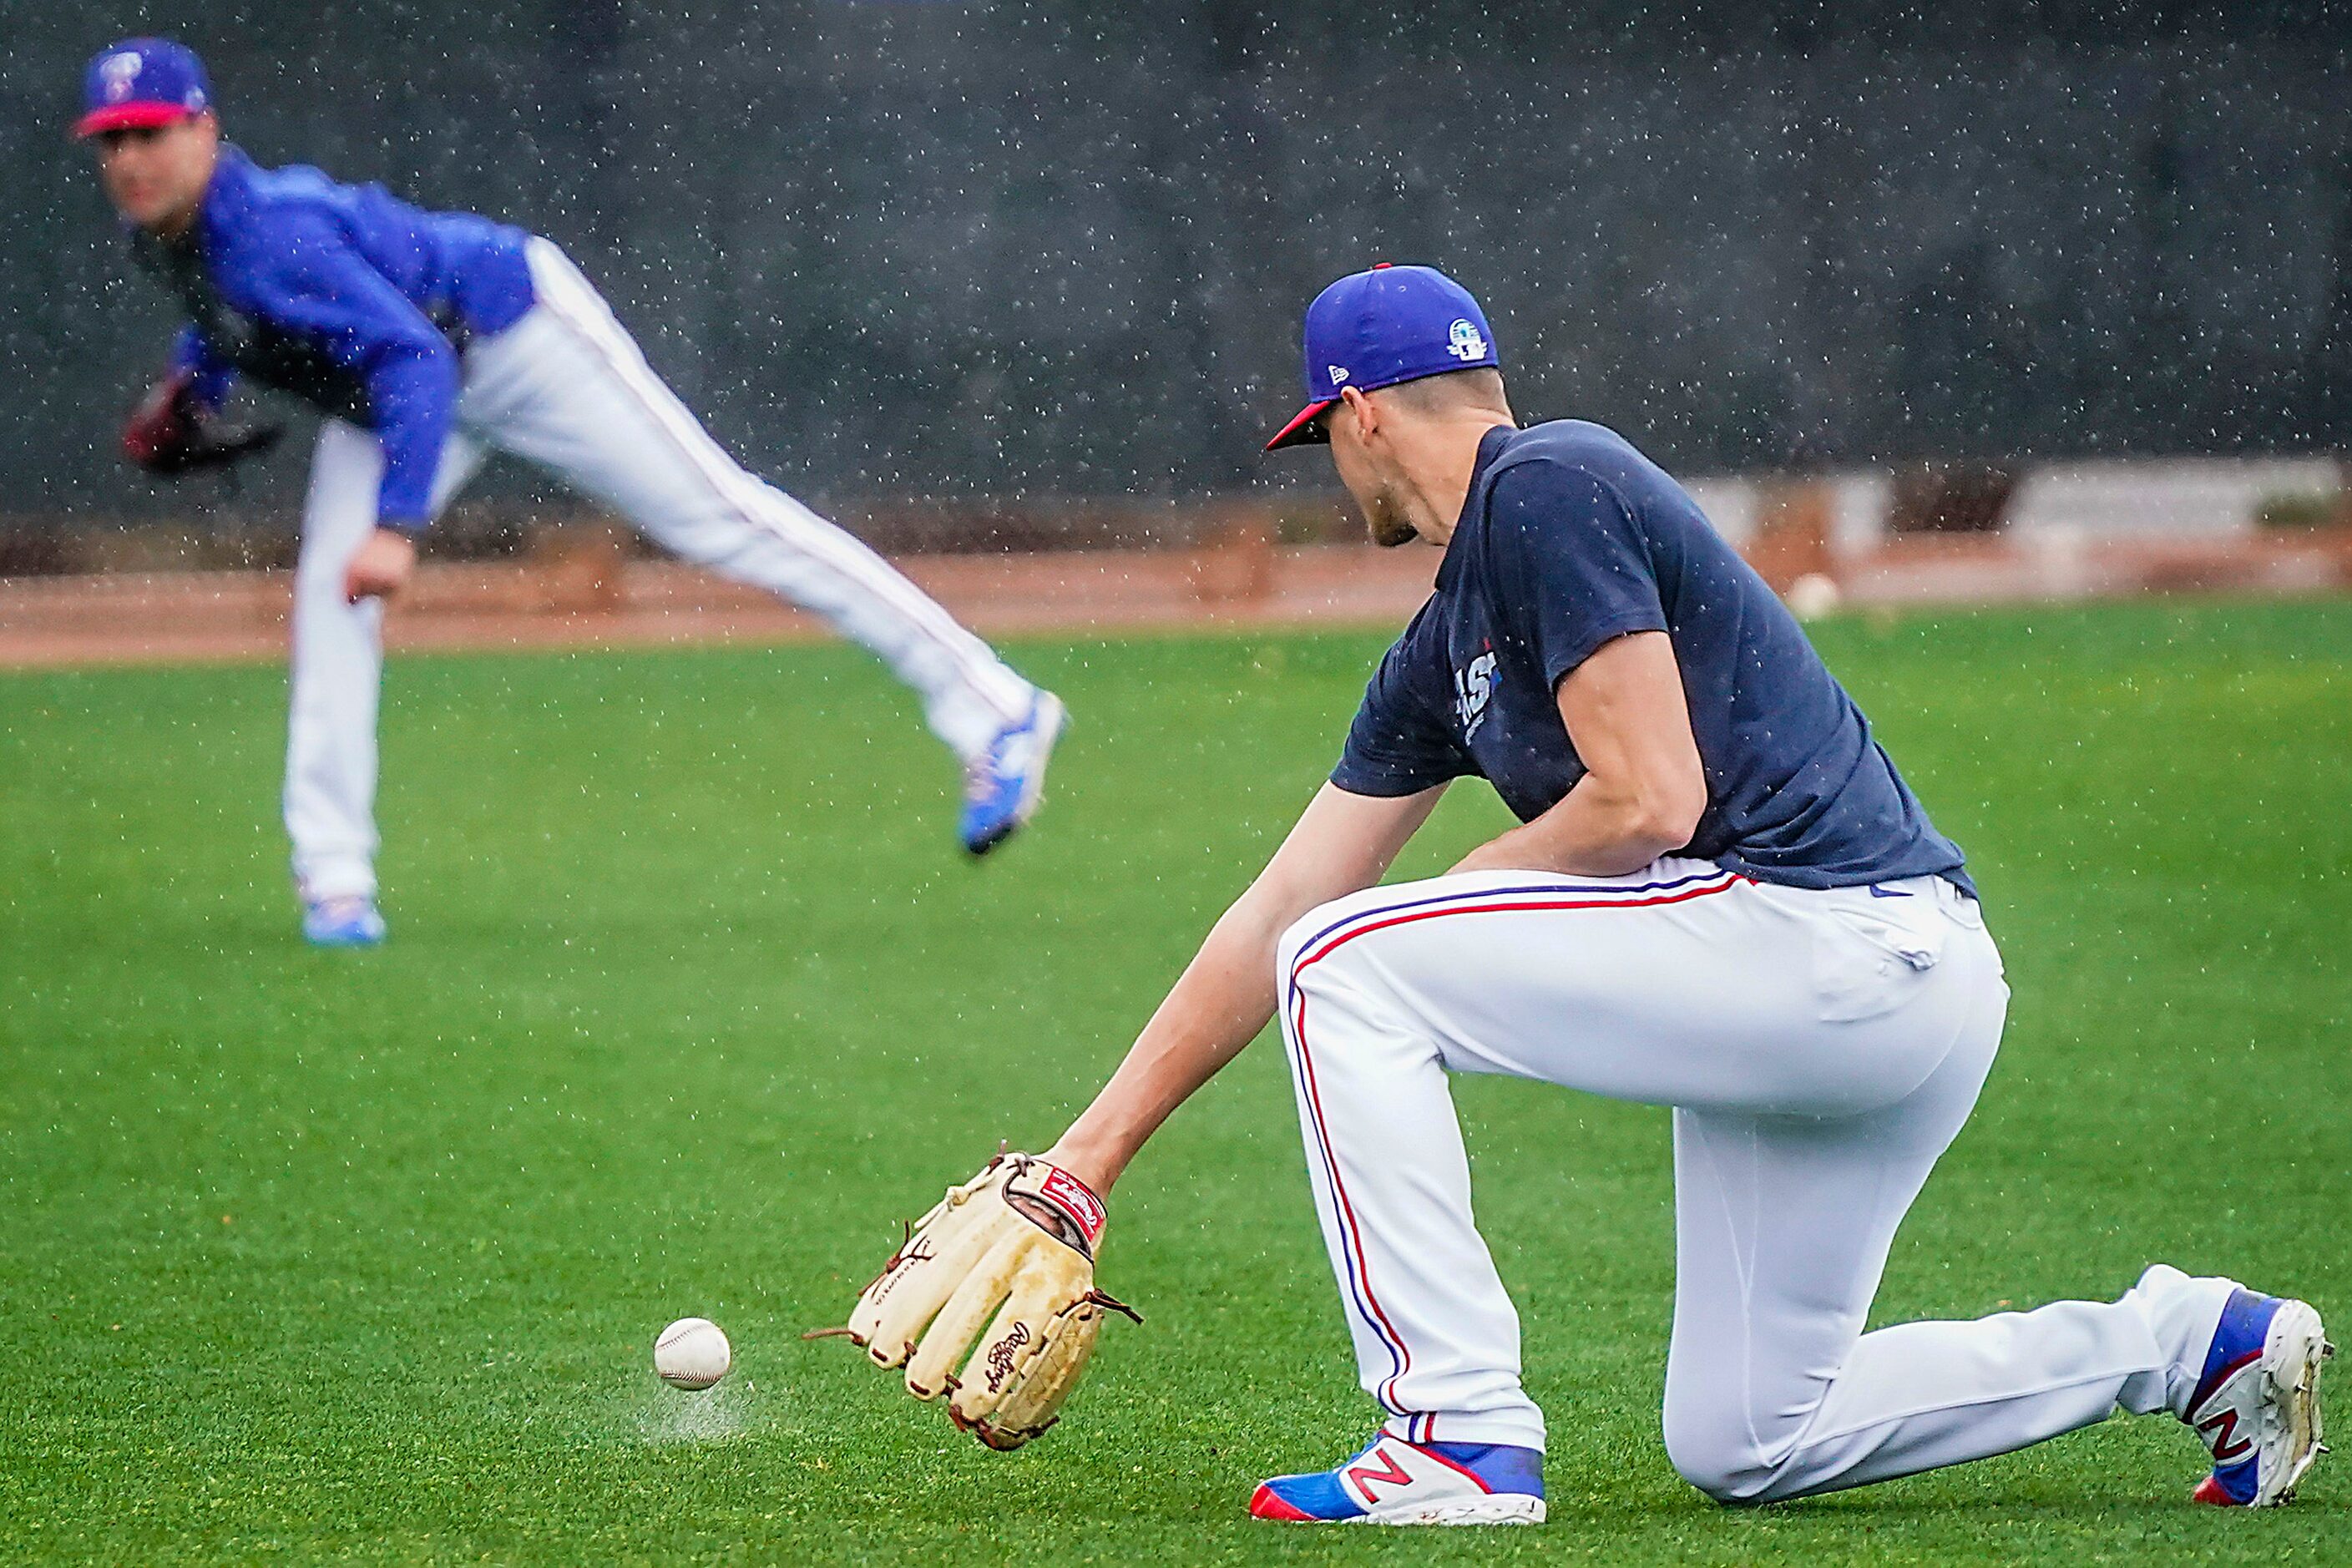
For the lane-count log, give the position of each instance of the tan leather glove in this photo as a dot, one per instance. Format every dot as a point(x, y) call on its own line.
point(1018, 1240)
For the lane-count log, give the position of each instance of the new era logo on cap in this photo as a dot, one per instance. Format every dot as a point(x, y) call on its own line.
point(1379, 327)
point(142, 82)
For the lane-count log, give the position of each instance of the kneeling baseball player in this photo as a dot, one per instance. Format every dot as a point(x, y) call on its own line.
point(1722, 898)
point(429, 339)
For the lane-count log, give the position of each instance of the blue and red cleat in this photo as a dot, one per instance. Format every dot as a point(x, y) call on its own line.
point(1003, 785)
point(351, 921)
point(2257, 1403)
point(1396, 1482)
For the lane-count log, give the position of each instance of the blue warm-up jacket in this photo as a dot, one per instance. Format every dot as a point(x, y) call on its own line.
point(346, 296)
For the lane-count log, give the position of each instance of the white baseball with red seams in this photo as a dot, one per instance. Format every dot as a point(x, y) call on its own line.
point(1820, 1048)
point(692, 1353)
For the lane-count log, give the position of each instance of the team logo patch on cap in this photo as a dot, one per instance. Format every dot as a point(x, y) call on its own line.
point(119, 72)
point(1465, 342)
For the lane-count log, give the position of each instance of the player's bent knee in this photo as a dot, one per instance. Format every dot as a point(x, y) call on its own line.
point(1728, 1484)
point(1714, 1456)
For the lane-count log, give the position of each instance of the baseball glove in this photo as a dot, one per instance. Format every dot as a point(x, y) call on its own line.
point(1017, 1240)
point(171, 433)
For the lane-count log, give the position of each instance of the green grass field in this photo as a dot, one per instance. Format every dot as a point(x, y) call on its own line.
point(309, 1256)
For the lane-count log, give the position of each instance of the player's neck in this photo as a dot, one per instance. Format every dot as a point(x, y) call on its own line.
point(178, 224)
point(1440, 457)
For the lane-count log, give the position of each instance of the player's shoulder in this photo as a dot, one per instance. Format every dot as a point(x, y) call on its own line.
point(1548, 475)
point(253, 209)
point(1574, 454)
point(249, 187)
point(1573, 443)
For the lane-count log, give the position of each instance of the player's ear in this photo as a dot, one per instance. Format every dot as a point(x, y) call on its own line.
point(1354, 405)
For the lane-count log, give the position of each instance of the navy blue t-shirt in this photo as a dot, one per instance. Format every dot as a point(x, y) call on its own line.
point(1569, 538)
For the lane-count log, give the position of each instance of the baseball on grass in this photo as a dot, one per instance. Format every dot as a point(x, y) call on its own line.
point(692, 1353)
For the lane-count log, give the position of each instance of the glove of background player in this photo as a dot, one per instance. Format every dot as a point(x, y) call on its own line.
point(1022, 1233)
point(171, 433)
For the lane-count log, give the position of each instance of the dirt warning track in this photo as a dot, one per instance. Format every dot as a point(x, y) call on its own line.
point(592, 598)
point(169, 617)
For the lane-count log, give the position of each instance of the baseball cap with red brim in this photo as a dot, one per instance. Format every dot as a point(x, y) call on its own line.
point(1378, 328)
point(141, 83)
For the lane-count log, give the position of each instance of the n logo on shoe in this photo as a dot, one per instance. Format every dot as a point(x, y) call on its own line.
point(2220, 1431)
point(1361, 1477)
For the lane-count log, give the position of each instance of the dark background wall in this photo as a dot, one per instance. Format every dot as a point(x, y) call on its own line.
point(1056, 247)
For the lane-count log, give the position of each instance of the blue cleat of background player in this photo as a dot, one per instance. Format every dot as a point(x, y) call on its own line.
point(1393, 1481)
point(2257, 1403)
point(1003, 785)
point(343, 922)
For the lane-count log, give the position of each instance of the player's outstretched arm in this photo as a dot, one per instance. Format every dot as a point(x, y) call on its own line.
point(1341, 843)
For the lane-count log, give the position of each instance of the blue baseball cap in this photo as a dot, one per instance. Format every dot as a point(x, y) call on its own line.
point(1380, 327)
point(140, 83)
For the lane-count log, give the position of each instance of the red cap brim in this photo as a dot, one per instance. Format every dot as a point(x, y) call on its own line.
point(130, 117)
point(1302, 430)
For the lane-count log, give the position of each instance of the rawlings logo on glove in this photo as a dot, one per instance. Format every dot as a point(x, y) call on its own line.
point(1018, 1240)
point(171, 433)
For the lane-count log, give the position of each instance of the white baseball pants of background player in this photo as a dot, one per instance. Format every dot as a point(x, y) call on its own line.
point(1821, 1049)
point(566, 388)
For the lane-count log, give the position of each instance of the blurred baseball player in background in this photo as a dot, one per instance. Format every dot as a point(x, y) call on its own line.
point(428, 340)
point(1722, 898)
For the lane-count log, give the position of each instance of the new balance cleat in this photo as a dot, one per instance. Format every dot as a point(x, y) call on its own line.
point(1396, 1482)
point(2257, 1404)
point(1003, 785)
point(351, 921)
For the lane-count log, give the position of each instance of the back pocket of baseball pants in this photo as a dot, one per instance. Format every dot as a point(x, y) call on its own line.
point(1866, 961)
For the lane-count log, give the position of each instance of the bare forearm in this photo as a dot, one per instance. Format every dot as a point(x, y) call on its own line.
point(1644, 788)
point(1592, 832)
point(1341, 842)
